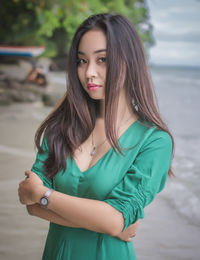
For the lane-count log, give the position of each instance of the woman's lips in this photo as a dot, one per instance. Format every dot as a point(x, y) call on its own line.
point(93, 86)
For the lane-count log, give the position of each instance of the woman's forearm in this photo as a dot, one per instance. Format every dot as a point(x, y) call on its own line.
point(90, 214)
point(38, 211)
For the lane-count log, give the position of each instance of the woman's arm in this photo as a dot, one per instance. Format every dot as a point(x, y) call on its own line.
point(90, 214)
point(38, 211)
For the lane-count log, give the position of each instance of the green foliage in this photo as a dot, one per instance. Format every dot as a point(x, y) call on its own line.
point(53, 22)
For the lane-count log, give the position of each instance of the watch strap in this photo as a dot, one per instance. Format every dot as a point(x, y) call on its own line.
point(48, 193)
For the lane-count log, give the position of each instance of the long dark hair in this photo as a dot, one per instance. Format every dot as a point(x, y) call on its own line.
point(73, 119)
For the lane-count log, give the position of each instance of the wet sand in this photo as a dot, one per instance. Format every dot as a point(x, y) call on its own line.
point(163, 234)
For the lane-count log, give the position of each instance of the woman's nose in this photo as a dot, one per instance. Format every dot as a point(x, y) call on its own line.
point(91, 70)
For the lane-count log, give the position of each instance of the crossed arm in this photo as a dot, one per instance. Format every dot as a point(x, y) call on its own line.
point(72, 211)
point(37, 211)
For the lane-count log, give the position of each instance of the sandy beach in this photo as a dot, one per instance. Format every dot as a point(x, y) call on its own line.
point(162, 234)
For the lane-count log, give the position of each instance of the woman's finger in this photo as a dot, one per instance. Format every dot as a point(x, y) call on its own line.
point(21, 183)
point(27, 173)
point(133, 235)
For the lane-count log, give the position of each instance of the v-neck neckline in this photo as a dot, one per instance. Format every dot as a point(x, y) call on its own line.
point(105, 154)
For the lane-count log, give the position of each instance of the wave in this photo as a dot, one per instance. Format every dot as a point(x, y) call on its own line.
point(183, 200)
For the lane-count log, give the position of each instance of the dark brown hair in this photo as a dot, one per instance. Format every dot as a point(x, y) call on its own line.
point(73, 119)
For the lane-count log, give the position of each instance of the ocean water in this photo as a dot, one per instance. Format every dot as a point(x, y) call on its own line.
point(178, 93)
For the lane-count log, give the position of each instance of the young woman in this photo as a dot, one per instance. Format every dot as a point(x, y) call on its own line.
point(105, 150)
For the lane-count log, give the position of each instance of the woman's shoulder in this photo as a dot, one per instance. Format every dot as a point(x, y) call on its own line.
point(154, 136)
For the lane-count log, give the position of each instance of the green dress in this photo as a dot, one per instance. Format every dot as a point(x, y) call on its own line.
point(128, 182)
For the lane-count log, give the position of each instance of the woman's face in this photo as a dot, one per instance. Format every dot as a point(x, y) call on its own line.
point(92, 63)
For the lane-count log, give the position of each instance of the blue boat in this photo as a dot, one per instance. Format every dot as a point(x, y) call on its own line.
point(23, 51)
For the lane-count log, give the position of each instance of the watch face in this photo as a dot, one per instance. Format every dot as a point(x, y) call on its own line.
point(44, 201)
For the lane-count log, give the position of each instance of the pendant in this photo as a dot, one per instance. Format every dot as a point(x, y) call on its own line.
point(93, 151)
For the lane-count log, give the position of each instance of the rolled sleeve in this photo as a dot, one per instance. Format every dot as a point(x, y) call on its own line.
point(38, 166)
point(144, 179)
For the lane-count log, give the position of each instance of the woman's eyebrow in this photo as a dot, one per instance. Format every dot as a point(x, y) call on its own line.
point(97, 51)
point(101, 50)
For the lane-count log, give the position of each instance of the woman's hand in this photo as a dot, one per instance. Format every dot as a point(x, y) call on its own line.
point(129, 232)
point(30, 188)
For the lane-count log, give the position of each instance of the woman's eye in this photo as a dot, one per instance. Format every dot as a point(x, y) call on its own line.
point(102, 59)
point(81, 61)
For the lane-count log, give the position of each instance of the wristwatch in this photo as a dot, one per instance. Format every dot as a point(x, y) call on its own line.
point(44, 201)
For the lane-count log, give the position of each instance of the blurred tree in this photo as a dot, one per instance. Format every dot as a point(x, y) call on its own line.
point(53, 22)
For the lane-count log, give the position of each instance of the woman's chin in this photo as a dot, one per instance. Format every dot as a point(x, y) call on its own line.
point(96, 96)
